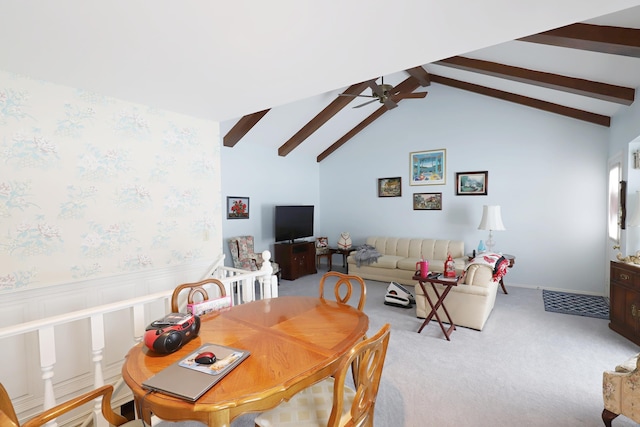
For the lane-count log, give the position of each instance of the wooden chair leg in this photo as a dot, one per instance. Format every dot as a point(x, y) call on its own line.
point(607, 417)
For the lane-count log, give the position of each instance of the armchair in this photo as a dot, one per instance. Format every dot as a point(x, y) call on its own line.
point(322, 250)
point(621, 391)
point(244, 257)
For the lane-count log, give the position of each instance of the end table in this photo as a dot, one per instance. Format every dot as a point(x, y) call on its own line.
point(448, 284)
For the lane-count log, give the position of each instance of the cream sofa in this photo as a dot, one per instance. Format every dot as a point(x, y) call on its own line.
point(400, 255)
point(469, 304)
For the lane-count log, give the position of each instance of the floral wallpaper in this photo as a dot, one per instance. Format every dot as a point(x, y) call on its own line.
point(92, 186)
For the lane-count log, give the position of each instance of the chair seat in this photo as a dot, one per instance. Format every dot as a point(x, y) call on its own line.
point(311, 407)
point(134, 423)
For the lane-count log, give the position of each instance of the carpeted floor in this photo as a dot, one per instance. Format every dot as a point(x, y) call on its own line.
point(577, 304)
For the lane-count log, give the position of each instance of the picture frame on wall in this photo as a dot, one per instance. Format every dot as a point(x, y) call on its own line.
point(390, 187)
point(427, 201)
point(428, 167)
point(472, 183)
point(237, 207)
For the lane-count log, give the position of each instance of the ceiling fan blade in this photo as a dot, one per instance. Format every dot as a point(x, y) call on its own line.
point(355, 96)
point(376, 89)
point(366, 103)
point(410, 95)
point(390, 104)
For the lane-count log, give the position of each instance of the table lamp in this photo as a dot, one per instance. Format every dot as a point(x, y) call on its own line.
point(492, 221)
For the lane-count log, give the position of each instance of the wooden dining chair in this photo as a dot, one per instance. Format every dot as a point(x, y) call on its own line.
point(343, 287)
point(194, 289)
point(8, 416)
point(332, 403)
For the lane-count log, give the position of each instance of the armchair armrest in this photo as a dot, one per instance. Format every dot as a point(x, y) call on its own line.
point(105, 391)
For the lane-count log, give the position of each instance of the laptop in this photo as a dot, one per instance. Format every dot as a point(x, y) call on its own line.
point(189, 380)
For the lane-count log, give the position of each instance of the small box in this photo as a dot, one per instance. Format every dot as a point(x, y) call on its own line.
point(208, 306)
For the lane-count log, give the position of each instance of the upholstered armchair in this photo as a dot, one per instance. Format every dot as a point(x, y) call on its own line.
point(322, 250)
point(621, 392)
point(244, 257)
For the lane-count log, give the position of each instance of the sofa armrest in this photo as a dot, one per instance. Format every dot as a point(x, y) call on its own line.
point(478, 275)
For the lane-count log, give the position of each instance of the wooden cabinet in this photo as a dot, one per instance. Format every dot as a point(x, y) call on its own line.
point(296, 259)
point(624, 312)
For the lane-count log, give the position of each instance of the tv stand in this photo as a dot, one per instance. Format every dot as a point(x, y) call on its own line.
point(296, 259)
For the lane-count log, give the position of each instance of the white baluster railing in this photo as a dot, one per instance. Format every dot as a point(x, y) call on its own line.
point(240, 283)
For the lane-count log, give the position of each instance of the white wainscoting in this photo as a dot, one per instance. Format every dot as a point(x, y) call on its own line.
point(73, 372)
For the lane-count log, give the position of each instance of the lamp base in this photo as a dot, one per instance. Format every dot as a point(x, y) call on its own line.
point(490, 243)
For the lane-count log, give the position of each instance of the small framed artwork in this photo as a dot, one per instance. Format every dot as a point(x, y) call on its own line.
point(390, 187)
point(472, 183)
point(428, 167)
point(427, 201)
point(237, 207)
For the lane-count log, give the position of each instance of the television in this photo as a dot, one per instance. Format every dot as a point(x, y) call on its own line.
point(293, 222)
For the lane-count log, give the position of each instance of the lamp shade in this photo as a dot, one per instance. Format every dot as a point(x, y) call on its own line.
point(491, 219)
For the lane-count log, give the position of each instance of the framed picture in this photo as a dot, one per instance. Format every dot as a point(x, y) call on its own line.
point(428, 167)
point(237, 207)
point(427, 201)
point(472, 183)
point(390, 187)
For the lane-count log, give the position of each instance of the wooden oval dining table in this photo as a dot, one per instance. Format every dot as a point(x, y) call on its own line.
point(295, 341)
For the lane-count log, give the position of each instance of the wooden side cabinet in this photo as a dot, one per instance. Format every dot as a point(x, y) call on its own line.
point(624, 313)
point(296, 259)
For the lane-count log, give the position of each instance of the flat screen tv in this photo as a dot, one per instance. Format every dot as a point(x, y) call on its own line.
point(293, 222)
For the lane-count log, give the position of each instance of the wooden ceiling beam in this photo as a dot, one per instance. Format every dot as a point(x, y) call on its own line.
point(420, 74)
point(408, 85)
point(595, 38)
point(524, 100)
point(241, 128)
point(322, 117)
point(602, 91)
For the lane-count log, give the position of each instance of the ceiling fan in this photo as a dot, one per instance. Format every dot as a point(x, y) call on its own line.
point(386, 94)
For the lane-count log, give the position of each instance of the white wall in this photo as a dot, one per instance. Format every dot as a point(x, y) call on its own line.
point(92, 186)
point(268, 180)
point(547, 172)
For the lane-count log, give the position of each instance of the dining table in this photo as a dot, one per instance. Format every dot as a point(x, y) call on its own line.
point(294, 341)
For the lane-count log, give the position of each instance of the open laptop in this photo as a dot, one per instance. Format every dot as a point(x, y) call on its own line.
point(188, 380)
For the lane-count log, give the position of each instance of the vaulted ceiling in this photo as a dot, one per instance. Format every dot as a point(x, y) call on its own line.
point(278, 68)
point(586, 71)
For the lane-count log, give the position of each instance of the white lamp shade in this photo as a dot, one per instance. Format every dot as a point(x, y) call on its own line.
point(635, 219)
point(491, 219)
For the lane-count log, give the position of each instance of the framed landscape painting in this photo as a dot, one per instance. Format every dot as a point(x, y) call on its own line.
point(237, 207)
point(428, 167)
point(390, 187)
point(472, 183)
point(427, 201)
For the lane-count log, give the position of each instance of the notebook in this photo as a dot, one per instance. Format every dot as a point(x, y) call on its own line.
point(189, 380)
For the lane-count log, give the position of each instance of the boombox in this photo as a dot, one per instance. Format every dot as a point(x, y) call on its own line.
point(170, 333)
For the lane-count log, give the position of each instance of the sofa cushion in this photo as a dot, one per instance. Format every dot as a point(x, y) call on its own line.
point(387, 261)
point(431, 249)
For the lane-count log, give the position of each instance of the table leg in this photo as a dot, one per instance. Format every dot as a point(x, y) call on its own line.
point(434, 310)
point(504, 289)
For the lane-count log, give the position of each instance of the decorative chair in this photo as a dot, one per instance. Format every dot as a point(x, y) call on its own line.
point(244, 257)
point(346, 281)
point(330, 402)
point(195, 289)
point(323, 251)
point(8, 417)
point(621, 393)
